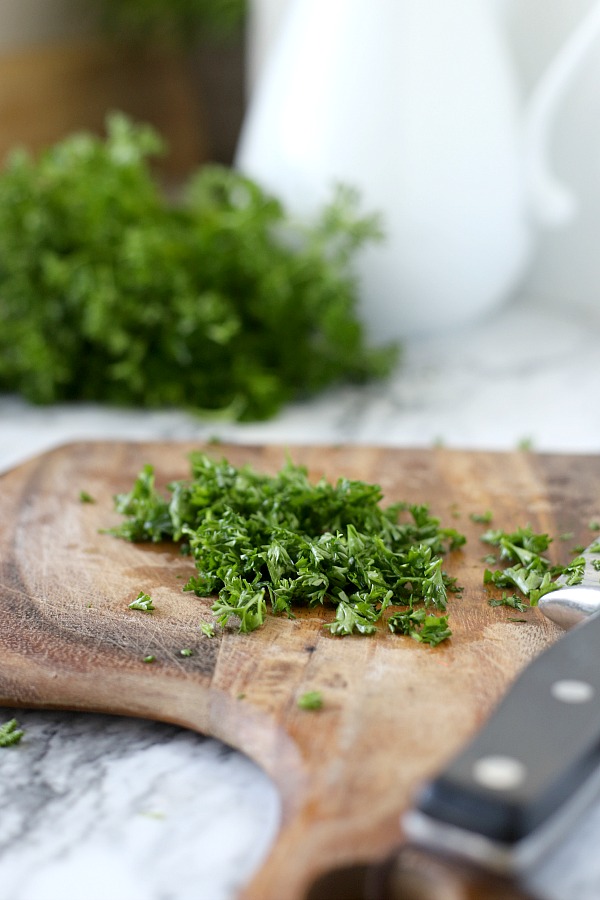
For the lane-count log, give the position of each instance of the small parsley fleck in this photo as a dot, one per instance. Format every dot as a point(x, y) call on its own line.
point(311, 700)
point(143, 602)
point(186, 652)
point(482, 518)
point(207, 629)
point(84, 497)
point(509, 600)
point(10, 733)
point(149, 659)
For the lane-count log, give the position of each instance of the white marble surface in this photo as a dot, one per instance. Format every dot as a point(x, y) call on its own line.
point(95, 807)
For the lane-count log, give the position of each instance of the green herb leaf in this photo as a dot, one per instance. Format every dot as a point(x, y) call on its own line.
point(10, 733)
point(421, 626)
point(509, 600)
point(311, 700)
point(531, 572)
point(482, 518)
point(143, 602)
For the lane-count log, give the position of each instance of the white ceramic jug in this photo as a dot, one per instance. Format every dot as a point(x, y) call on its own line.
point(413, 102)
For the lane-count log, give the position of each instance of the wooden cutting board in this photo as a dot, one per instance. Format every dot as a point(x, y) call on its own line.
point(394, 711)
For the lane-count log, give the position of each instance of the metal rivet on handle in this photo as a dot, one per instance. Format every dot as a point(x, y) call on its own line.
point(500, 773)
point(572, 691)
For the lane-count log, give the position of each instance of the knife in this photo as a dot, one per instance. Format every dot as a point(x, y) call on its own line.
point(515, 790)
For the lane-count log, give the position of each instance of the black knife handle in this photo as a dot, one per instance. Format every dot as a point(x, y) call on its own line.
point(537, 749)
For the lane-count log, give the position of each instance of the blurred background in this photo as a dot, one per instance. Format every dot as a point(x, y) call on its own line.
point(566, 268)
point(64, 63)
point(469, 128)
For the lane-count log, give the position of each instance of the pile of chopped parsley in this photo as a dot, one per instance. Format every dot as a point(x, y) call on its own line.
point(217, 303)
point(280, 542)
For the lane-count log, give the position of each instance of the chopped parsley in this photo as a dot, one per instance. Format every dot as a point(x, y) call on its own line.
point(265, 543)
point(142, 601)
point(311, 700)
point(149, 659)
point(482, 518)
point(510, 600)
point(10, 733)
point(207, 629)
point(84, 497)
point(526, 568)
point(421, 626)
point(186, 652)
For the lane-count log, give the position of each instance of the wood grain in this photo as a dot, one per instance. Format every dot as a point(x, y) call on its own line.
point(393, 712)
point(51, 90)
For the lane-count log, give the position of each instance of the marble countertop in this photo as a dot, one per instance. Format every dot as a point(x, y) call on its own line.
point(159, 813)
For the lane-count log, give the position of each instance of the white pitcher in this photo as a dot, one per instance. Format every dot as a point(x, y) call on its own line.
point(413, 102)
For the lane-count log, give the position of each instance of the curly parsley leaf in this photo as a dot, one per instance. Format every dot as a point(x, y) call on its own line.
point(10, 733)
point(510, 600)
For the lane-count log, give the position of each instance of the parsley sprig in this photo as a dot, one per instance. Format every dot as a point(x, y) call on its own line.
point(10, 733)
point(142, 602)
point(280, 542)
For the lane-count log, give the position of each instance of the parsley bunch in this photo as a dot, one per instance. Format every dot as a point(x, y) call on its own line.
point(261, 541)
point(219, 303)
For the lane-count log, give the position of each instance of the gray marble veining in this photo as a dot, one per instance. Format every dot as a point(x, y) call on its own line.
point(100, 807)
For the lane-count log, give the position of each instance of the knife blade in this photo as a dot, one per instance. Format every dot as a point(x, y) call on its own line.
point(512, 793)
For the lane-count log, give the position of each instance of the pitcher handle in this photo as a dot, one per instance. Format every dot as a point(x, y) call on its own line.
point(552, 202)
